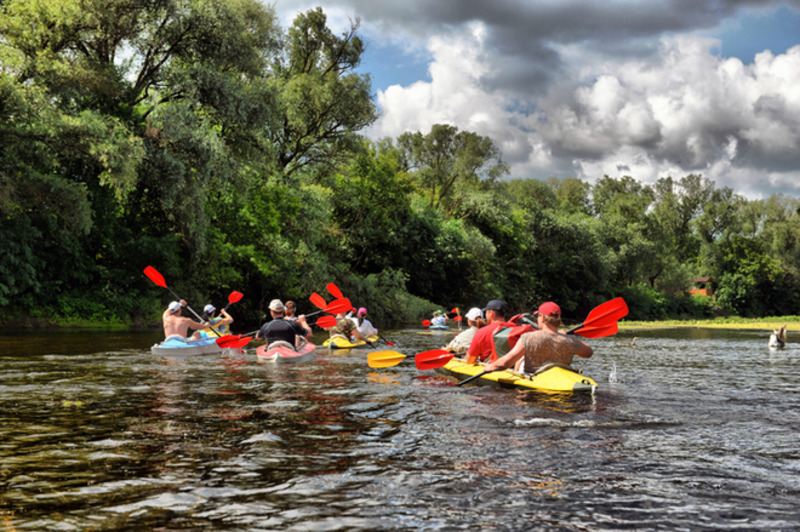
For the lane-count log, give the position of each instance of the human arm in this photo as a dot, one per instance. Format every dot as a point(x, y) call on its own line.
point(508, 360)
point(227, 318)
point(584, 350)
point(301, 320)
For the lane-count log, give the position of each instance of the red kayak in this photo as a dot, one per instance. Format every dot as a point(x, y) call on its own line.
point(286, 355)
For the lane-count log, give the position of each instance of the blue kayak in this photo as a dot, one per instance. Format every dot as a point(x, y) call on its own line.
point(176, 346)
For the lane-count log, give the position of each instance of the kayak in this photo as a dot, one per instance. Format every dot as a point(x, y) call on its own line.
point(175, 346)
point(215, 331)
point(285, 355)
point(553, 377)
point(439, 327)
point(340, 342)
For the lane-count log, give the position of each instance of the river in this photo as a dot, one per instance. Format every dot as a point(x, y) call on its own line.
point(691, 429)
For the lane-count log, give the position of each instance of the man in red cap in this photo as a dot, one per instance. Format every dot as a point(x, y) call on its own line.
point(482, 345)
point(548, 344)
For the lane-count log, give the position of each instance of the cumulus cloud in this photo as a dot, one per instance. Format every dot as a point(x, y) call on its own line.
point(576, 89)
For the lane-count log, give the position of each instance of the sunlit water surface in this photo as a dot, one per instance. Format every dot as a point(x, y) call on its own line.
point(689, 430)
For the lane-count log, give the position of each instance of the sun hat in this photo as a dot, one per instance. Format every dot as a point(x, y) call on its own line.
point(174, 307)
point(474, 313)
point(549, 309)
point(363, 311)
point(208, 309)
point(276, 305)
point(495, 304)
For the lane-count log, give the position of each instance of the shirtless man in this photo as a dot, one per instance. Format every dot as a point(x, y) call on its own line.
point(548, 344)
point(176, 325)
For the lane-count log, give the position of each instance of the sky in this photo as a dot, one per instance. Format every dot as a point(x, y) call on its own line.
point(583, 88)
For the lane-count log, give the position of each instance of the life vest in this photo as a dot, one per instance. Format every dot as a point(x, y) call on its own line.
point(505, 338)
point(214, 324)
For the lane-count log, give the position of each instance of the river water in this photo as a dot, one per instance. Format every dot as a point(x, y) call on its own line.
point(689, 430)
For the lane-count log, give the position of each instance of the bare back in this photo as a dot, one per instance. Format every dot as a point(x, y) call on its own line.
point(175, 324)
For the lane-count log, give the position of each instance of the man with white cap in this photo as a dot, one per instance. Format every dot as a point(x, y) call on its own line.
point(176, 325)
point(280, 331)
point(460, 343)
point(548, 344)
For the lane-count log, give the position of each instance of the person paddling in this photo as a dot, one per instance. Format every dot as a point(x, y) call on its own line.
point(176, 326)
point(219, 322)
point(280, 331)
point(363, 325)
point(482, 345)
point(548, 344)
point(346, 327)
point(461, 343)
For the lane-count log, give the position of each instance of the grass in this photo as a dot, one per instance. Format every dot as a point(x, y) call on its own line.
point(792, 323)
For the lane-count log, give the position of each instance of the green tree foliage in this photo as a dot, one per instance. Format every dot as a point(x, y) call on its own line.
point(200, 137)
point(451, 165)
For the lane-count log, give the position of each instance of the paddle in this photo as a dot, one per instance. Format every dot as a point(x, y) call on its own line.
point(334, 291)
point(234, 297)
point(326, 322)
point(601, 321)
point(433, 359)
point(334, 307)
point(384, 359)
point(318, 300)
point(426, 323)
point(158, 279)
point(384, 339)
point(602, 316)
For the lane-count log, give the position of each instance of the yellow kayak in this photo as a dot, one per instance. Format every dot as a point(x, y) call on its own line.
point(553, 377)
point(340, 342)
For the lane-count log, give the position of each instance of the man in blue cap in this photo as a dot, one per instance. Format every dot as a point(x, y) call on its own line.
point(482, 345)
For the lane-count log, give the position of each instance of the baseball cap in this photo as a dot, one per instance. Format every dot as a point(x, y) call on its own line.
point(495, 304)
point(549, 309)
point(363, 311)
point(276, 305)
point(474, 313)
point(174, 307)
point(209, 309)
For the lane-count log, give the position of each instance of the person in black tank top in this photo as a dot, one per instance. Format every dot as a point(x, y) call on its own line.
point(280, 329)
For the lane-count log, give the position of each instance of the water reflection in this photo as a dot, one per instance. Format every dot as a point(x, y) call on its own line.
point(691, 430)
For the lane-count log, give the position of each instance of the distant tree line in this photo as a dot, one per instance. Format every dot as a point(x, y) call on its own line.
point(202, 138)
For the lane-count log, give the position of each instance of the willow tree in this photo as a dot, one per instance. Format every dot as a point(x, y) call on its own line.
point(121, 115)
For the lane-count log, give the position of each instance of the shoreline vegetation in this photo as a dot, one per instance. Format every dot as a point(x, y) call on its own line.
point(768, 323)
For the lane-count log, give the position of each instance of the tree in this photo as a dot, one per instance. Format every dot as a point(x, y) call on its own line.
point(320, 101)
point(451, 165)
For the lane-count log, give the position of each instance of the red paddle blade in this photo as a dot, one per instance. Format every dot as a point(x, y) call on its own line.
point(608, 312)
point(454, 310)
point(241, 342)
point(327, 321)
point(458, 318)
point(154, 276)
point(338, 305)
point(433, 359)
point(426, 323)
point(235, 297)
point(227, 341)
point(318, 301)
point(334, 291)
point(598, 332)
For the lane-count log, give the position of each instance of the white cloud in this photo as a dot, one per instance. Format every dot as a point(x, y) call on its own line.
point(583, 90)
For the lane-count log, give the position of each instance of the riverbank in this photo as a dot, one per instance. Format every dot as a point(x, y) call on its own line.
point(770, 323)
